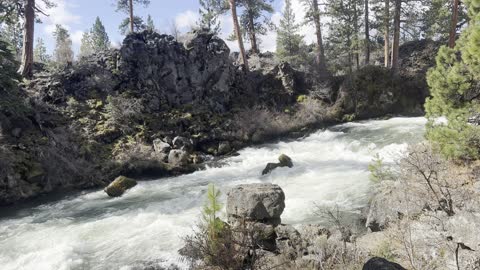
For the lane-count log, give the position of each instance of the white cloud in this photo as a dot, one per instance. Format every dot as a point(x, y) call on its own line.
point(186, 20)
point(77, 37)
point(60, 14)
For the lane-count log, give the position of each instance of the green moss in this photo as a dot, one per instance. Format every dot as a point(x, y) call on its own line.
point(348, 117)
point(302, 98)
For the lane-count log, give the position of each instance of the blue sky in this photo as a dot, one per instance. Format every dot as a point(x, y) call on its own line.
point(78, 16)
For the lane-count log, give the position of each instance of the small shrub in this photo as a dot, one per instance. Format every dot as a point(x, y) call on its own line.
point(124, 112)
point(378, 170)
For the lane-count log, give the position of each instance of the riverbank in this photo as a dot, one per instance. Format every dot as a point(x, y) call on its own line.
point(91, 230)
point(144, 112)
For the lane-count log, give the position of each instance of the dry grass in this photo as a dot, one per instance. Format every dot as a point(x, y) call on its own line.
point(260, 123)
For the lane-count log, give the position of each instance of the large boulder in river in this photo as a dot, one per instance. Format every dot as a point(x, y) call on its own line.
point(119, 186)
point(256, 202)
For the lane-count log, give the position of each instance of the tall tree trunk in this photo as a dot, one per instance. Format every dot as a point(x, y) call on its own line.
point(251, 33)
point(396, 35)
point(453, 27)
point(318, 28)
point(367, 35)
point(238, 33)
point(356, 29)
point(131, 16)
point(28, 39)
point(387, 34)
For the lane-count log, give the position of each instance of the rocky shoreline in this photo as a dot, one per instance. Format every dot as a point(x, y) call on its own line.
point(121, 111)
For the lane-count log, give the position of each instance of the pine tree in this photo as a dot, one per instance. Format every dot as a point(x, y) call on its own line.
point(345, 24)
point(437, 19)
point(290, 44)
point(138, 25)
point(150, 24)
point(86, 45)
point(12, 33)
point(210, 11)
point(313, 17)
point(238, 32)
point(454, 89)
point(99, 37)
point(40, 52)
point(130, 25)
point(63, 47)
point(256, 20)
point(210, 213)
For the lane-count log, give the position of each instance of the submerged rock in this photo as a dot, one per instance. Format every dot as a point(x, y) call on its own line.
point(284, 161)
point(119, 186)
point(256, 202)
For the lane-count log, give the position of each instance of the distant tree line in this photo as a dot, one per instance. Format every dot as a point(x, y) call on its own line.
point(354, 28)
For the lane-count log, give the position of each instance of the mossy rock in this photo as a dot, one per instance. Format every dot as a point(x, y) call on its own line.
point(119, 186)
point(285, 161)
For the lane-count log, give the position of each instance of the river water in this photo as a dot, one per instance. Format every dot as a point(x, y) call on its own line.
point(91, 231)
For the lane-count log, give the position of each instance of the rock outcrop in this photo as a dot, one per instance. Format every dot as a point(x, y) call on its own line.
point(257, 208)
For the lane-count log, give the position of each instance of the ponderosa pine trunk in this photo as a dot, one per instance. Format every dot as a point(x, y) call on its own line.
point(252, 35)
point(238, 33)
point(396, 35)
point(318, 29)
point(28, 39)
point(367, 35)
point(131, 16)
point(386, 33)
point(453, 27)
point(356, 28)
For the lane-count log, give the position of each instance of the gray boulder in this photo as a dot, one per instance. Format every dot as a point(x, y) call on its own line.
point(178, 157)
point(183, 143)
point(256, 202)
point(161, 146)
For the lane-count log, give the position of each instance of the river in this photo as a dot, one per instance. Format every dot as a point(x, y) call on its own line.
point(88, 230)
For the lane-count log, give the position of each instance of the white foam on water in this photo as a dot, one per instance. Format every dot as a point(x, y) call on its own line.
point(91, 231)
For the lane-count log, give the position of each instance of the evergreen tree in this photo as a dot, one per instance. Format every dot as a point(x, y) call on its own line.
point(99, 37)
point(131, 23)
point(256, 20)
point(210, 11)
point(63, 46)
point(86, 45)
point(138, 25)
point(238, 32)
point(290, 44)
point(454, 89)
point(150, 24)
point(345, 23)
point(313, 17)
point(210, 213)
point(40, 52)
point(12, 33)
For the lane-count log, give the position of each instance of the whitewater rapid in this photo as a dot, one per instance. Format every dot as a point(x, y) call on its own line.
point(146, 225)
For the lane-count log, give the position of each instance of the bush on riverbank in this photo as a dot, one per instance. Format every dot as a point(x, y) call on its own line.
point(455, 91)
point(427, 213)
